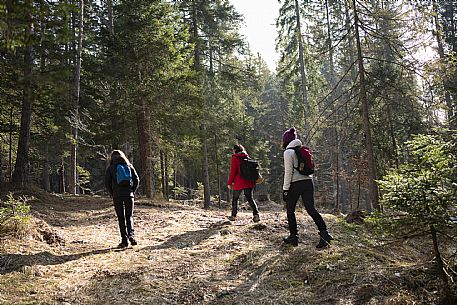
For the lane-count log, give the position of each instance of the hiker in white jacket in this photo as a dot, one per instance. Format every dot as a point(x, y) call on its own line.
point(295, 186)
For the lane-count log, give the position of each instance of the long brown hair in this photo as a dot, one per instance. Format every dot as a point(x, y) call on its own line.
point(238, 148)
point(118, 156)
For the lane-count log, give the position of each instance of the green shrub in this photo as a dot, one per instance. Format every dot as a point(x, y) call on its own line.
point(179, 192)
point(423, 192)
point(14, 215)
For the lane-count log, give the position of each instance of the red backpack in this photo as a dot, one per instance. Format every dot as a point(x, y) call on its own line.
point(305, 160)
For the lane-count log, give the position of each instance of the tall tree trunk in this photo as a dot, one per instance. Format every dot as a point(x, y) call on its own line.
point(392, 136)
point(10, 151)
point(451, 115)
point(439, 260)
point(144, 142)
point(167, 183)
point(373, 188)
point(164, 173)
point(109, 4)
point(217, 172)
point(45, 173)
point(347, 188)
point(336, 158)
point(206, 189)
point(20, 168)
point(306, 132)
point(204, 148)
point(46, 180)
point(62, 177)
point(73, 179)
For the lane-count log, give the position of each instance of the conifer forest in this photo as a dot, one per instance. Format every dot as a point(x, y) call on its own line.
point(369, 85)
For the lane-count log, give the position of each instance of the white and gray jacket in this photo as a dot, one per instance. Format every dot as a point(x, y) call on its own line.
point(290, 163)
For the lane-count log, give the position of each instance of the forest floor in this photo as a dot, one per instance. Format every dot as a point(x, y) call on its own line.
point(188, 255)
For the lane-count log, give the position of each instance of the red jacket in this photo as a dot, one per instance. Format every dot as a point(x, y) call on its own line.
point(238, 182)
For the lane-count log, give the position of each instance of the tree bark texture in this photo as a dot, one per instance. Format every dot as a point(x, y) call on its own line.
point(373, 188)
point(20, 167)
point(204, 148)
point(109, 4)
point(144, 142)
point(46, 169)
point(439, 260)
point(306, 132)
point(451, 111)
point(206, 187)
point(337, 150)
point(73, 178)
point(164, 173)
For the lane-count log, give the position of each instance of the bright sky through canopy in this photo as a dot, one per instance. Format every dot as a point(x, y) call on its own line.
point(259, 27)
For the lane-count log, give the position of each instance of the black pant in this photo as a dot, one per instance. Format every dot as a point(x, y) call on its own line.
point(305, 189)
point(124, 212)
point(248, 195)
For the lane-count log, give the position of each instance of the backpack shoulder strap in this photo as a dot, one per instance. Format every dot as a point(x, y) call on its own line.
point(297, 152)
point(295, 148)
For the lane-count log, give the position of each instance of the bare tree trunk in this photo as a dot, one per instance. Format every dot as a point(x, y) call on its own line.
point(62, 177)
point(336, 160)
point(302, 73)
point(373, 189)
point(109, 4)
point(73, 179)
point(392, 136)
point(20, 168)
point(164, 173)
point(167, 183)
point(447, 96)
point(204, 147)
point(347, 187)
point(439, 261)
point(46, 180)
point(206, 191)
point(45, 173)
point(217, 172)
point(144, 142)
point(10, 151)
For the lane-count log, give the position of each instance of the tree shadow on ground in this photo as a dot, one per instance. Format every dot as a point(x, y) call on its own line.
point(278, 272)
point(69, 219)
point(16, 262)
point(190, 238)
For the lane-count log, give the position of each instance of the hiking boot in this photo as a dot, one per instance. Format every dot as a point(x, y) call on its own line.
point(232, 218)
point(133, 242)
point(322, 244)
point(291, 240)
point(256, 218)
point(122, 245)
point(325, 236)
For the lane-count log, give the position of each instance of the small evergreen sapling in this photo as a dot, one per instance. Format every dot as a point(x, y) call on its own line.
point(424, 190)
point(14, 215)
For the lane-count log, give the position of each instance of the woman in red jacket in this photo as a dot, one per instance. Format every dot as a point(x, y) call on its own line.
point(238, 183)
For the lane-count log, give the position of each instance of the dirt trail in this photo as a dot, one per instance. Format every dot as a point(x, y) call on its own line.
point(186, 255)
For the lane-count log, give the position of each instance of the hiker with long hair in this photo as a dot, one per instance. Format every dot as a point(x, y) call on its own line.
point(297, 185)
point(238, 184)
point(121, 181)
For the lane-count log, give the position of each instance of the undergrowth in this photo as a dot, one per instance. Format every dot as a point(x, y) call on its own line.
point(14, 215)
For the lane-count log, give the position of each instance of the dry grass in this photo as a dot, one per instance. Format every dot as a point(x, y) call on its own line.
point(187, 255)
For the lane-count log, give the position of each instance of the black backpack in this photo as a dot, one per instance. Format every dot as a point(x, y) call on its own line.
point(249, 169)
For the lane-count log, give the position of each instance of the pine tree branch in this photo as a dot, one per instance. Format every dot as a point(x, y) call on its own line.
point(333, 47)
point(401, 65)
point(315, 125)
